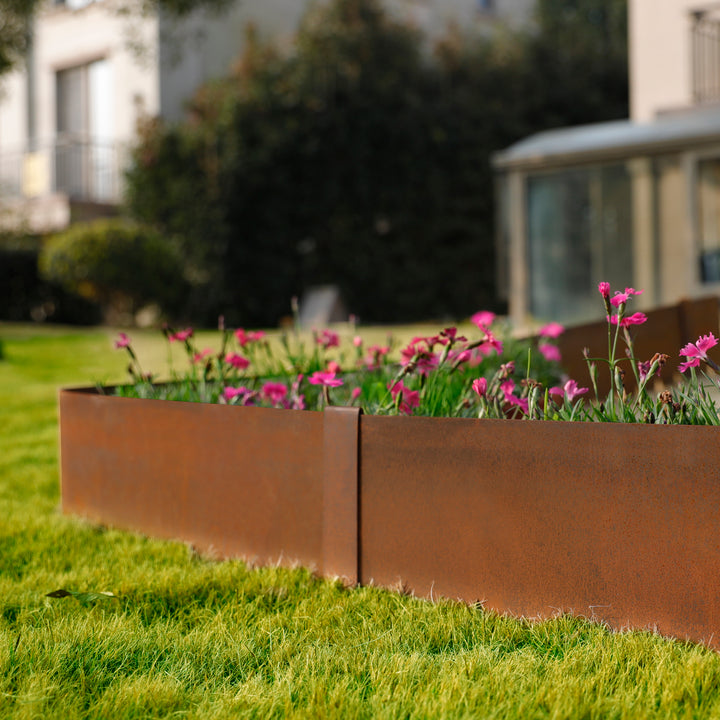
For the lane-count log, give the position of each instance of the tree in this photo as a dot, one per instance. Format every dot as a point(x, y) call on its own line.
point(359, 159)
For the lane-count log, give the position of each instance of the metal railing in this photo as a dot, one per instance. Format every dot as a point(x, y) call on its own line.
point(83, 170)
point(87, 170)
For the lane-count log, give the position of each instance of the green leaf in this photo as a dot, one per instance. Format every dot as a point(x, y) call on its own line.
point(83, 598)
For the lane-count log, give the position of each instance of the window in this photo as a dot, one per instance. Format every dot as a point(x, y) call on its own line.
point(579, 233)
point(486, 6)
point(85, 156)
point(708, 199)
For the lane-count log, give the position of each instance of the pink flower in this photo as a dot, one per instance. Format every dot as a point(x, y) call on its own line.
point(550, 352)
point(483, 319)
point(570, 390)
point(409, 399)
point(695, 362)
point(621, 298)
point(604, 289)
point(637, 318)
point(327, 379)
point(507, 387)
point(199, 356)
point(274, 392)
point(551, 330)
point(480, 386)
point(460, 357)
point(328, 339)
point(244, 337)
point(357, 341)
point(122, 341)
point(374, 355)
point(333, 367)
point(237, 361)
point(181, 335)
point(491, 342)
point(449, 335)
point(355, 394)
point(699, 349)
point(229, 393)
point(423, 357)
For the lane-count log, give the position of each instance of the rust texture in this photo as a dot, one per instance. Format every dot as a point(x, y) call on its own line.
point(340, 495)
point(613, 522)
point(666, 331)
point(233, 481)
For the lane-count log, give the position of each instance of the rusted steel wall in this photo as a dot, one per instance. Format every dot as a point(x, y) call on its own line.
point(613, 522)
point(666, 331)
point(233, 481)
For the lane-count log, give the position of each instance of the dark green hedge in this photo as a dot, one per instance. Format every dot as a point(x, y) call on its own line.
point(360, 160)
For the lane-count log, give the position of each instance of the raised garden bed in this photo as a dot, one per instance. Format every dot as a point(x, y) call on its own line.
point(617, 522)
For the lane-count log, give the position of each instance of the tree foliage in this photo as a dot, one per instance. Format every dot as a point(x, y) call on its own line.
point(358, 159)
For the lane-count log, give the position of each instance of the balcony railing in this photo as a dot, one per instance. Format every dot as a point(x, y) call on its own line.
point(705, 48)
point(83, 170)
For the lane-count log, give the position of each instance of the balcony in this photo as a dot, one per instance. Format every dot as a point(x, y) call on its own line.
point(39, 189)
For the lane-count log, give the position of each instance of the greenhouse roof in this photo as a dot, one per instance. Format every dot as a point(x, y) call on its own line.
point(618, 138)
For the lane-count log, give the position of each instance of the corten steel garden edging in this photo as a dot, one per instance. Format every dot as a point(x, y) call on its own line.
point(612, 521)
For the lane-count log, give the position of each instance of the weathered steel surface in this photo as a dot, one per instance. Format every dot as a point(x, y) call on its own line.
point(666, 331)
point(234, 481)
point(613, 522)
point(340, 494)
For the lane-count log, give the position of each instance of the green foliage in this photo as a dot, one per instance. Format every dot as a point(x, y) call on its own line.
point(360, 160)
point(121, 265)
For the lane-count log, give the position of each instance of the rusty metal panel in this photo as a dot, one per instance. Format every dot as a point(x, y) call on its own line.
point(614, 522)
point(666, 331)
point(340, 504)
point(234, 481)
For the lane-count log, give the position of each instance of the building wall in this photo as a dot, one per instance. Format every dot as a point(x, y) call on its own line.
point(660, 59)
point(13, 130)
point(204, 46)
point(66, 38)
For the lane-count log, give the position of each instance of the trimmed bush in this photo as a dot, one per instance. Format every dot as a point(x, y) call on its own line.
point(121, 265)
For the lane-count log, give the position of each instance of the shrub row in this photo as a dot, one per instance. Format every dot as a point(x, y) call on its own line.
point(358, 159)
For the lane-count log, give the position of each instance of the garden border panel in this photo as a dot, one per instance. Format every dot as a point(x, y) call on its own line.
point(233, 481)
point(609, 521)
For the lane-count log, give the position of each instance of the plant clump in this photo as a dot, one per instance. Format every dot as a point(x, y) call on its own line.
point(490, 375)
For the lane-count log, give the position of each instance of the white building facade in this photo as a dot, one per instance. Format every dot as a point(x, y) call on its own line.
point(69, 116)
point(634, 202)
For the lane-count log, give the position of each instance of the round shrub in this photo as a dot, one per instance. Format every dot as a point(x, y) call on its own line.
point(119, 264)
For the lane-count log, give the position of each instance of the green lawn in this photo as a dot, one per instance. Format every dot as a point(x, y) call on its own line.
point(187, 637)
